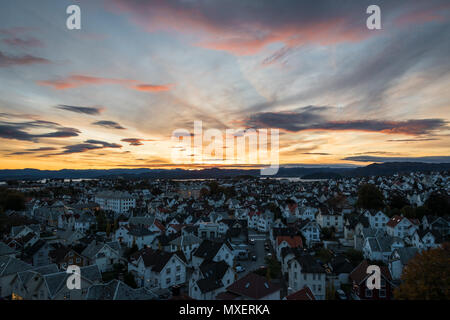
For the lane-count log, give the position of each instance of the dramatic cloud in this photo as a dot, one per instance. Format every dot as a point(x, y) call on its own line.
point(85, 110)
point(440, 159)
point(244, 27)
point(315, 118)
point(133, 141)
point(8, 61)
point(20, 130)
point(109, 124)
point(88, 145)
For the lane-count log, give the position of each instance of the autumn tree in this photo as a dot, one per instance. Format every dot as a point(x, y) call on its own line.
point(427, 276)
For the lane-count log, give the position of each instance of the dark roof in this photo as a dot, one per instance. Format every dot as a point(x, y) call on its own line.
point(208, 249)
point(302, 294)
point(341, 264)
point(32, 250)
point(358, 275)
point(309, 264)
point(157, 259)
point(215, 270)
point(253, 286)
point(284, 232)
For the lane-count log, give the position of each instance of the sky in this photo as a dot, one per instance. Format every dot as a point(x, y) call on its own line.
point(112, 94)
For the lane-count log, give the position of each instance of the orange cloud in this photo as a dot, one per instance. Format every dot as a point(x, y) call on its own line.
point(435, 13)
point(75, 81)
point(152, 88)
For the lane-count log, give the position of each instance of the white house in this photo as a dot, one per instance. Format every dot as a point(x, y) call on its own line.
point(304, 270)
point(401, 227)
point(210, 279)
point(158, 269)
point(377, 219)
point(116, 201)
point(213, 251)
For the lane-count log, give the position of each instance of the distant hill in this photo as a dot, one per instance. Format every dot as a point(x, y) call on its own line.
point(322, 175)
point(387, 168)
point(390, 168)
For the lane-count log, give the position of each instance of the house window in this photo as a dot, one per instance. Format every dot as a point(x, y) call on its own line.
point(167, 280)
point(368, 293)
point(178, 268)
point(382, 293)
point(168, 270)
point(178, 277)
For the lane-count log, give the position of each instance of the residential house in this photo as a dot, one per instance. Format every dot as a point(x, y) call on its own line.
point(251, 287)
point(304, 270)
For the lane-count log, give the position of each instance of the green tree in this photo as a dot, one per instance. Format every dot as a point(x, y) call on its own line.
point(370, 197)
point(398, 201)
point(273, 268)
point(408, 212)
point(438, 203)
point(427, 276)
point(108, 229)
point(101, 221)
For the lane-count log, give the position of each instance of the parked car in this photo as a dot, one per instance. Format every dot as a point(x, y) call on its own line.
point(240, 269)
point(341, 294)
point(251, 241)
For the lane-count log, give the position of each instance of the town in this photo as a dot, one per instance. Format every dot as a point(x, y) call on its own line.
point(242, 238)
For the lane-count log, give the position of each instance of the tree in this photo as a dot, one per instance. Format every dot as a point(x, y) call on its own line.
point(438, 203)
point(108, 229)
point(398, 201)
point(427, 276)
point(408, 212)
point(11, 200)
point(273, 268)
point(330, 293)
point(101, 221)
point(370, 197)
point(327, 233)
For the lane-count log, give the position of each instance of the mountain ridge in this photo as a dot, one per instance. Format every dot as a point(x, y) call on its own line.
point(375, 169)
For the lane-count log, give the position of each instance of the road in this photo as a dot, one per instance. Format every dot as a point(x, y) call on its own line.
point(256, 249)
